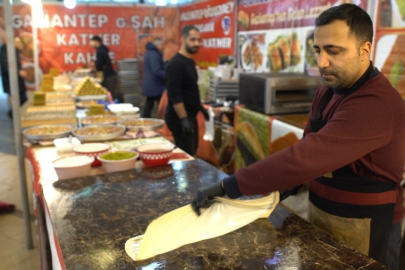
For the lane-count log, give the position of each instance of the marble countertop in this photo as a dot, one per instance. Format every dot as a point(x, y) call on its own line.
point(94, 216)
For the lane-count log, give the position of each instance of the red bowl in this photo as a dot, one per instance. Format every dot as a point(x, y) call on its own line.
point(92, 150)
point(155, 154)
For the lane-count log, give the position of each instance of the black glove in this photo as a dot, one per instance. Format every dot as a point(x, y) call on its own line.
point(289, 192)
point(205, 113)
point(186, 125)
point(205, 195)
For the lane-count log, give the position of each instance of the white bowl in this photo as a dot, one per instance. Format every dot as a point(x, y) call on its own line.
point(118, 165)
point(91, 149)
point(64, 145)
point(73, 166)
point(123, 108)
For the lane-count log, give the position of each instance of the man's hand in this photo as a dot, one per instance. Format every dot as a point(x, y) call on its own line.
point(205, 195)
point(23, 74)
point(186, 125)
point(205, 113)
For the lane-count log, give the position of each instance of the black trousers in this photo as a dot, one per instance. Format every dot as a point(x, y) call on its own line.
point(187, 142)
point(150, 102)
point(110, 83)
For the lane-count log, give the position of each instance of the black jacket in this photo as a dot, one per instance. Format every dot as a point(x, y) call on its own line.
point(103, 61)
point(153, 72)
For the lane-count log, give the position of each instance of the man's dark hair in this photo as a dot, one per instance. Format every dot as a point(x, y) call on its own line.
point(356, 18)
point(96, 38)
point(187, 29)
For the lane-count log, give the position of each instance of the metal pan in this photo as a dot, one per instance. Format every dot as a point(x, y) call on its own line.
point(49, 136)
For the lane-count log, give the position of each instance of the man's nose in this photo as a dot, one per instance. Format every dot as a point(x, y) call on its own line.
point(323, 60)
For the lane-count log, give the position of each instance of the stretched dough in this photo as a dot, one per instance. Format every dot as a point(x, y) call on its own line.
point(182, 226)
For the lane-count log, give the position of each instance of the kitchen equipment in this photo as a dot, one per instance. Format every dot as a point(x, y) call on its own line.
point(118, 165)
point(155, 154)
point(73, 166)
point(278, 93)
point(92, 150)
point(221, 88)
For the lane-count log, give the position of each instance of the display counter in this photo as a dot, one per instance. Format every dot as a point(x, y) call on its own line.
point(94, 216)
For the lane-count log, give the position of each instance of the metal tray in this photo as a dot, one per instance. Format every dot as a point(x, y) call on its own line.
point(156, 124)
point(49, 136)
point(100, 116)
point(99, 137)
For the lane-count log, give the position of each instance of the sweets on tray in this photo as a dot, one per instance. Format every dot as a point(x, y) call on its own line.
point(51, 108)
point(39, 99)
point(47, 83)
point(96, 109)
point(87, 87)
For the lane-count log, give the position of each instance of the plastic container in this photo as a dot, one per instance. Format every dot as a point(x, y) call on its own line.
point(92, 150)
point(73, 166)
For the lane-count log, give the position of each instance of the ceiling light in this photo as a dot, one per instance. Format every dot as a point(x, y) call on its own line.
point(69, 3)
point(161, 2)
point(174, 2)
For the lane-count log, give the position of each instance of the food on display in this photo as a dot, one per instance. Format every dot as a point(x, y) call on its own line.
point(96, 109)
point(118, 156)
point(243, 19)
point(47, 132)
point(145, 124)
point(99, 133)
point(397, 72)
point(53, 72)
point(47, 83)
point(87, 87)
point(52, 108)
point(39, 99)
point(86, 104)
point(101, 119)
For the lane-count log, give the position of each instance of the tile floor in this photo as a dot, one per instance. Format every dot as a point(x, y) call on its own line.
point(13, 252)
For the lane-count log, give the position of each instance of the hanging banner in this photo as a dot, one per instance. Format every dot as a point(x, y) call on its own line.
point(389, 49)
point(64, 34)
point(215, 20)
point(277, 36)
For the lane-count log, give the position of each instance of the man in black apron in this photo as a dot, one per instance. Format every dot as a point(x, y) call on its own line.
point(353, 150)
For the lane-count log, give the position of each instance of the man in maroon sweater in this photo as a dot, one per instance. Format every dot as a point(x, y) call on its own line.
point(353, 151)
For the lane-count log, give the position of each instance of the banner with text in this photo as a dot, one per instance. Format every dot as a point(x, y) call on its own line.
point(277, 36)
point(64, 34)
point(215, 20)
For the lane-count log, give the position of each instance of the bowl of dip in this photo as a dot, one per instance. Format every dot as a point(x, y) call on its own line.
point(119, 160)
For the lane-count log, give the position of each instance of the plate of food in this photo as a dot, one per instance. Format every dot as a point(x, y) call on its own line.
point(99, 132)
point(47, 132)
point(142, 124)
point(101, 120)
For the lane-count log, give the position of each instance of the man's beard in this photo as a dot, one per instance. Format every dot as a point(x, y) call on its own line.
point(192, 50)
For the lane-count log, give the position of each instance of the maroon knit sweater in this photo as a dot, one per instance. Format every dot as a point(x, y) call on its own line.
point(365, 129)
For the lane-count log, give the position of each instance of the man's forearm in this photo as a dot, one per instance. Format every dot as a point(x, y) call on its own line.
point(180, 110)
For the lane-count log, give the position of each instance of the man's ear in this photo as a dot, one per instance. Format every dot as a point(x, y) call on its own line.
point(365, 51)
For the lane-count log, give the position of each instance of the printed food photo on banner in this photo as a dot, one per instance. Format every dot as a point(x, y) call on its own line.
point(253, 52)
point(392, 13)
point(390, 59)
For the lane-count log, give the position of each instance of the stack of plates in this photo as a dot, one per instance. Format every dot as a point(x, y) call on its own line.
point(128, 78)
point(221, 88)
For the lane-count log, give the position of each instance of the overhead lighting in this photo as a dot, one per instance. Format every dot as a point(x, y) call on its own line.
point(174, 2)
point(70, 4)
point(161, 3)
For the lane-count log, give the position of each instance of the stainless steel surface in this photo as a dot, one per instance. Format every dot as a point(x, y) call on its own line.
point(47, 137)
point(99, 137)
point(15, 94)
point(157, 124)
point(278, 93)
point(90, 118)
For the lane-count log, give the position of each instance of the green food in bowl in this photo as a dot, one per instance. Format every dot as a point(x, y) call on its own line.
point(118, 156)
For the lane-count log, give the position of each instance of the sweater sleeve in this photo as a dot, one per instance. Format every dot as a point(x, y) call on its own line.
point(174, 82)
point(100, 60)
point(362, 124)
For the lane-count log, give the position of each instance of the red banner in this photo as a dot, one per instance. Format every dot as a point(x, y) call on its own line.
point(215, 19)
point(269, 14)
point(64, 34)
